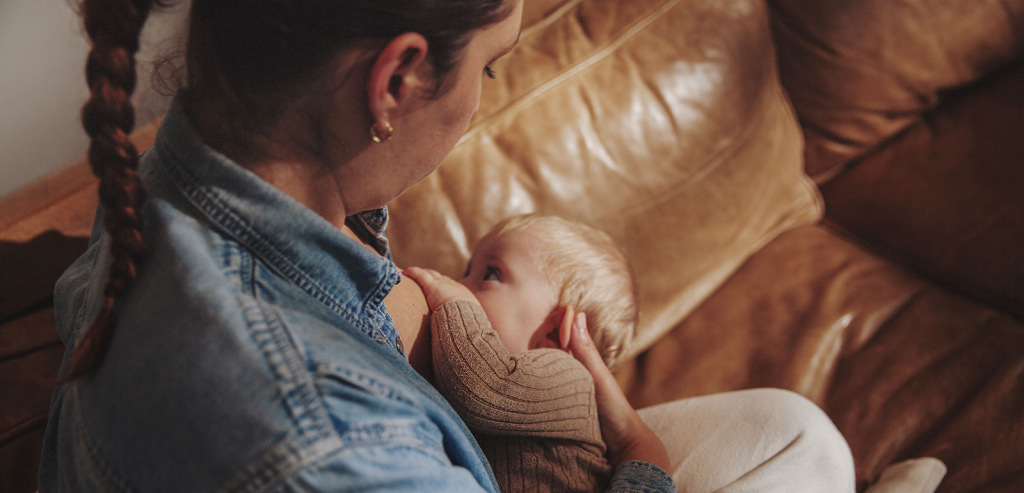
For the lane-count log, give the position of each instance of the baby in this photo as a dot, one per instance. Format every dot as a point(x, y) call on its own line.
point(499, 341)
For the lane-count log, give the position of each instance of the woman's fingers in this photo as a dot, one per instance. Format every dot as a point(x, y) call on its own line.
point(611, 402)
point(625, 434)
point(584, 350)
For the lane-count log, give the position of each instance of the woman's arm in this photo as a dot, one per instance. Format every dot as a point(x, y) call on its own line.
point(628, 438)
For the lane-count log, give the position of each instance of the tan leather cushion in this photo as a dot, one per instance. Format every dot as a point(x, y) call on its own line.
point(947, 198)
point(535, 11)
point(661, 122)
point(861, 71)
point(904, 369)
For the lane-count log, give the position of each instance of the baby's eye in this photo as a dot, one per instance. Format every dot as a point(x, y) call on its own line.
point(492, 274)
point(468, 268)
point(489, 72)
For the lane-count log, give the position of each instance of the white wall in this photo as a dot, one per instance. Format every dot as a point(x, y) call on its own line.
point(42, 83)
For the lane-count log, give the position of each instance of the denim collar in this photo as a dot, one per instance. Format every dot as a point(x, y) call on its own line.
point(298, 244)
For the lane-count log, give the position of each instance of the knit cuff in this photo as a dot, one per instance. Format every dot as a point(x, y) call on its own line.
point(637, 476)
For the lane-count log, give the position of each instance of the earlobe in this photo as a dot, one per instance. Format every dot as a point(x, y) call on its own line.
point(395, 76)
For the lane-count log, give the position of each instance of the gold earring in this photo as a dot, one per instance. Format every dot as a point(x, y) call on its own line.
point(377, 137)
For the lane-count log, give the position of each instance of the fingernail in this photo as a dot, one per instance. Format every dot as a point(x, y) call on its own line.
point(581, 322)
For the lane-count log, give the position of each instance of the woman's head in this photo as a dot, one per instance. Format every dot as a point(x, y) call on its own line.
point(254, 59)
point(313, 85)
point(430, 111)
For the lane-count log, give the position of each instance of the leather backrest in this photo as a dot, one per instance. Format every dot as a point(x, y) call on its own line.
point(947, 198)
point(661, 122)
point(860, 72)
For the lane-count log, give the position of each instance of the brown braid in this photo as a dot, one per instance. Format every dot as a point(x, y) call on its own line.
point(114, 27)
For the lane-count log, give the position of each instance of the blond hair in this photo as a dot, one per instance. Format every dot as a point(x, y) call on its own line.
point(589, 272)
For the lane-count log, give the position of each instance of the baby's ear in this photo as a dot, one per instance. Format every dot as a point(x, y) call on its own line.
point(565, 327)
point(557, 329)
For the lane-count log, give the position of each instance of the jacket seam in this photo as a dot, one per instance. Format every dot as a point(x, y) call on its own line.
point(313, 433)
point(223, 218)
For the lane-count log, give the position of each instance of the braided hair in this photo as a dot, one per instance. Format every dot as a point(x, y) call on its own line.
point(108, 117)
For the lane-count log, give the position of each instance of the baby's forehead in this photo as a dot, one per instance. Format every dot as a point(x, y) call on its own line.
point(511, 241)
point(520, 244)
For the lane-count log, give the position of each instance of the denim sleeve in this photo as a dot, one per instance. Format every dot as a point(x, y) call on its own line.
point(380, 470)
point(413, 472)
point(640, 477)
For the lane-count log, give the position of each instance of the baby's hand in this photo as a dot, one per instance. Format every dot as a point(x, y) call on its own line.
point(438, 288)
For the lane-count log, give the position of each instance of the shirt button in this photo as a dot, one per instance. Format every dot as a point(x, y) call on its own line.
point(399, 346)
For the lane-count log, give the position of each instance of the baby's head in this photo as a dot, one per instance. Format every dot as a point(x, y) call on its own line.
point(527, 268)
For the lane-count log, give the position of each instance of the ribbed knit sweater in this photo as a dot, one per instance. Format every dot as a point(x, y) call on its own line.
point(533, 413)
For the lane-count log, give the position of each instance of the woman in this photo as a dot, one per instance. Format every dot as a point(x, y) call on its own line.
point(238, 329)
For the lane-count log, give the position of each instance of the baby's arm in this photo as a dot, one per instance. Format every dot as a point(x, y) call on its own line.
point(542, 392)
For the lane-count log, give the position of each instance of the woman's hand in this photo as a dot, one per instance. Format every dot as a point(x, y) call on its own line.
point(439, 288)
point(626, 435)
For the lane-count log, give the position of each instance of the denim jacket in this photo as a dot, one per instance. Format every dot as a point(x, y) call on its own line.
point(252, 353)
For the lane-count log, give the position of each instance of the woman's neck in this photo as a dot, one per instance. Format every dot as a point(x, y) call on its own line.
point(289, 154)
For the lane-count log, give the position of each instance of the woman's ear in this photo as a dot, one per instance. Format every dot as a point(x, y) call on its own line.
point(397, 76)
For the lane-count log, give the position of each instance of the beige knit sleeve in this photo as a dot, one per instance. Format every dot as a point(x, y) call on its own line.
point(542, 392)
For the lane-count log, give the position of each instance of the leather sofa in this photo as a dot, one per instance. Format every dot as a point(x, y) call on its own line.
point(825, 196)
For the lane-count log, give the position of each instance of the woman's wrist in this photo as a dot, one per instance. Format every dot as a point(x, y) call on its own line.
point(641, 476)
point(643, 445)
